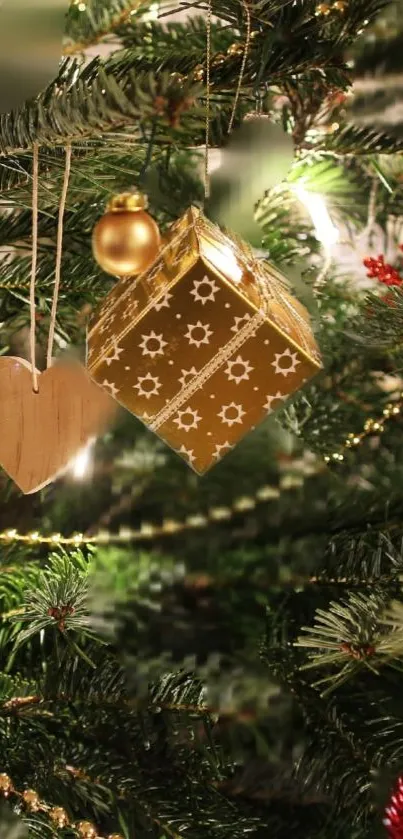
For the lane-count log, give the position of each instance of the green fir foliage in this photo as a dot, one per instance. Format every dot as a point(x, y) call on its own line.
point(233, 667)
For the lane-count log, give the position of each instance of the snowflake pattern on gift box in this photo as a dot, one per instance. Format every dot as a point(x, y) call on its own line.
point(270, 400)
point(232, 414)
point(187, 376)
point(114, 355)
point(198, 333)
point(163, 303)
point(187, 419)
point(221, 449)
point(205, 290)
point(153, 344)
point(239, 322)
point(238, 370)
point(148, 385)
point(286, 362)
point(113, 390)
point(187, 453)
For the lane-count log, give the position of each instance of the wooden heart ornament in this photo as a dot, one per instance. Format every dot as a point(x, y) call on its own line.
point(41, 432)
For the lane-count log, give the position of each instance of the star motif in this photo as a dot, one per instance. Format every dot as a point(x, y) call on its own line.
point(291, 361)
point(204, 290)
point(187, 419)
point(198, 333)
point(153, 344)
point(280, 397)
point(117, 352)
point(148, 385)
point(187, 376)
point(223, 447)
point(231, 414)
point(164, 302)
point(113, 390)
point(239, 322)
point(188, 453)
point(238, 370)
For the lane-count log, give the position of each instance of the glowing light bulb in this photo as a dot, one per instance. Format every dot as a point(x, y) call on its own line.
point(81, 463)
point(325, 231)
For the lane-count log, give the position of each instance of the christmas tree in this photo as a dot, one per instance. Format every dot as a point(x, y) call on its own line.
point(218, 655)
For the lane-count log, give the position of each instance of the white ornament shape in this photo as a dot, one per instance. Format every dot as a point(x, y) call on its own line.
point(153, 344)
point(220, 449)
point(232, 414)
point(203, 328)
point(270, 399)
point(206, 284)
point(113, 390)
point(188, 413)
point(238, 375)
point(144, 389)
point(291, 359)
point(164, 302)
point(239, 322)
point(187, 376)
point(188, 453)
point(115, 356)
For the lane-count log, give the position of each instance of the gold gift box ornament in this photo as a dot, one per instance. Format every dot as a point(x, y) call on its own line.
point(204, 344)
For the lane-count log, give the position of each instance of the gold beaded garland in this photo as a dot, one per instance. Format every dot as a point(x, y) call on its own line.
point(87, 830)
point(235, 49)
point(177, 77)
point(31, 799)
point(59, 816)
point(6, 785)
point(322, 9)
point(198, 73)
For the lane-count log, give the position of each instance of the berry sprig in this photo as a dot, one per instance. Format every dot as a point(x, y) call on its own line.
point(393, 820)
point(382, 271)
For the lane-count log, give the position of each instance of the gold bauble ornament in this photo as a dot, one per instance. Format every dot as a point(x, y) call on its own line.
point(31, 799)
point(126, 240)
point(115, 836)
point(339, 5)
point(87, 830)
point(6, 784)
point(59, 817)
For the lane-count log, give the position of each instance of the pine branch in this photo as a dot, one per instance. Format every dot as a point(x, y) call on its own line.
point(97, 23)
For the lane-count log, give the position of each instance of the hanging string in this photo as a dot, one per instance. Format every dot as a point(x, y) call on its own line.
point(34, 262)
point(208, 105)
point(59, 247)
point(243, 65)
